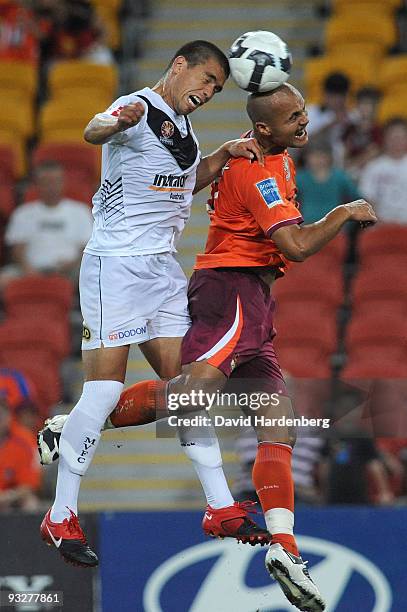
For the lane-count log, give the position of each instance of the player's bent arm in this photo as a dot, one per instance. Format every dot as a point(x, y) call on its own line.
point(297, 243)
point(99, 130)
point(102, 127)
point(210, 166)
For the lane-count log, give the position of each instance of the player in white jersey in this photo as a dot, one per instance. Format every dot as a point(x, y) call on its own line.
point(131, 287)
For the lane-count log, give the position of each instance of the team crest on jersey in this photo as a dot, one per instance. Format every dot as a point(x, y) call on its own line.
point(287, 171)
point(269, 191)
point(167, 131)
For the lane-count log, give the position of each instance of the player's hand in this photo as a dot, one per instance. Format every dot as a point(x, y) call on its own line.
point(246, 147)
point(362, 211)
point(129, 116)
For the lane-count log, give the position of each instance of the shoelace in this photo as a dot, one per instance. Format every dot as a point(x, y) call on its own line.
point(247, 506)
point(74, 527)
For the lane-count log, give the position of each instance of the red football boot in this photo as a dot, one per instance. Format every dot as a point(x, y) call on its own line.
point(234, 522)
point(69, 539)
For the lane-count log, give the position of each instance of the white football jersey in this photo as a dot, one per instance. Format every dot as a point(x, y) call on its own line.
point(148, 175)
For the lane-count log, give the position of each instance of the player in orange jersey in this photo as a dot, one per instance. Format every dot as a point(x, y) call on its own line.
point(255, 232)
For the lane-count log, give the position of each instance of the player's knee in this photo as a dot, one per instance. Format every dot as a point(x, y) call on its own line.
point(292, 439)
point(272, 436)
point(99, 398)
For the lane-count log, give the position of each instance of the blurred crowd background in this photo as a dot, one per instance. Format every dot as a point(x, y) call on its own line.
point(341, 315)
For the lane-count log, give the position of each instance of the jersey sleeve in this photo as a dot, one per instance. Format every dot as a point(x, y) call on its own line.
point(264, 195)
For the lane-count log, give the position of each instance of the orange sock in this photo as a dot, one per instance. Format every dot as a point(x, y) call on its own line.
point(142, 403)
point(273, 480)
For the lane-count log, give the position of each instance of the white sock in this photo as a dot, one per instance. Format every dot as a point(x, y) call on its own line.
point(79, 439)
point(204, 452)
point(67, 492)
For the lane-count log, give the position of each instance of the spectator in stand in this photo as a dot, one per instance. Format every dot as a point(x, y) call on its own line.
point(353, 472)
point(394, 456)
point(18, 32)
point(384, 180)
point(72, 29)
point(331, 118)
point(49, 234)
point(27, 415)
point(321, 185)
point(363, 137)
point(20, 475)
point(16, 389)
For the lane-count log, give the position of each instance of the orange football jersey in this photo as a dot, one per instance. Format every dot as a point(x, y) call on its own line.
point(250, 202)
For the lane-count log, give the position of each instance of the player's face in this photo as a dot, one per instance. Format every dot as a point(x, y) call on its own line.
point(289, 122)
point(189, 87)
point(50, 183)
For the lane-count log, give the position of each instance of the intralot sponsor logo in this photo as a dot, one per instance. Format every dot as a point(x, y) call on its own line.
point(224, 586)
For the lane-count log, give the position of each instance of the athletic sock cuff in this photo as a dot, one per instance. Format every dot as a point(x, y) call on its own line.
point(273, 451)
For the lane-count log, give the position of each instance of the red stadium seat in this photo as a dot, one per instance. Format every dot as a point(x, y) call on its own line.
point(380, 284)
point(289, 309)
point(80, 161)
point(305, 330)
point(395, 308)
point(333, 253)
point(7, 200)
point(33, 295)
point(40, 336)
point(8, 170)
point(376, 362)
point(384, 239)
point(307, 281)
point(377, 342)
point(305, 361)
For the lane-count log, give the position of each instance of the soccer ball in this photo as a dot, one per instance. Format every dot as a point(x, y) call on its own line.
point(259, 61)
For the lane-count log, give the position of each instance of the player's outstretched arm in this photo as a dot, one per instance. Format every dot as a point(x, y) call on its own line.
point(299, 242)
point(102, 127)
point(211, 165)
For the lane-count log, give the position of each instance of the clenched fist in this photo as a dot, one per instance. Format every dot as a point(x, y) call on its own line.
point(129, 116)
point(362, 211)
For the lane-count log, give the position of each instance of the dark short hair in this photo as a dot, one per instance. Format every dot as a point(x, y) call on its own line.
point(368, 92)
point(337, 83)
point(198, 52)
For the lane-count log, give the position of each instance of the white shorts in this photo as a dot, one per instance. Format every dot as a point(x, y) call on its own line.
point(126, 300)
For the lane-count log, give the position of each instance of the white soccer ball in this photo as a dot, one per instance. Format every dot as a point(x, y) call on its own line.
point(259, 61)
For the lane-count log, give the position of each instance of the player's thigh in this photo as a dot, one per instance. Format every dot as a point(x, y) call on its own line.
point(105, 363)
point(164, 356)
point(119, 297)
point(198, 379)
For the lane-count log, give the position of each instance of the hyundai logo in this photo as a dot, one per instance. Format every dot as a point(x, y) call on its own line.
point(224, 588)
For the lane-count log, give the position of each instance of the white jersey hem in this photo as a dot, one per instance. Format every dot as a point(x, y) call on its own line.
point(131, 253)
